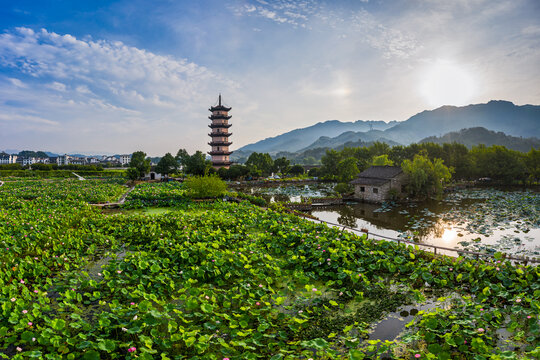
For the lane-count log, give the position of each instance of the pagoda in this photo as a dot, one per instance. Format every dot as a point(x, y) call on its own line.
point(220, 135)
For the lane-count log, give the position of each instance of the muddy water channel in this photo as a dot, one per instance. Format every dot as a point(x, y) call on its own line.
point(483, 219)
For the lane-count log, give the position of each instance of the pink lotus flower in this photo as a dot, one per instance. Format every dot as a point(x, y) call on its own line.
point(132, 349)
point(19, 349)
point(25, 311)
point(481, 330)
point(30, 323)
point(36, 291)
point(529, 316)
point(13, 299)
point(257, 303)
point(260, 285)
point(226, 359)
point(119, 271)
point(314, 289)
point(22, 281)
point(417, 355)
point(518, 300)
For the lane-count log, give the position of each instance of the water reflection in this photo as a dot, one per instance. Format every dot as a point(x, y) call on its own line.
point(449, 235)
point(475, 219)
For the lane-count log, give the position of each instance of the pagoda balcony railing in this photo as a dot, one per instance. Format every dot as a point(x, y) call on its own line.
point(220, 116)
point(220, 152)
point(220, 134)
point(216, 126)
point(219, 143)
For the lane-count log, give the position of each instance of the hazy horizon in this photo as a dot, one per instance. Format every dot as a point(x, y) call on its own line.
point(115, 77)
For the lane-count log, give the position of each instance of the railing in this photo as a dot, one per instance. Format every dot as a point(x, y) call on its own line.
point(434, 248)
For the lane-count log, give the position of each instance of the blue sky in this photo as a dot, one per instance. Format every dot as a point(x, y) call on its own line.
point(120, 76)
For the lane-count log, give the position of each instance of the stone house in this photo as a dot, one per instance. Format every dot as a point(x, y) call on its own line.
point(380, 183)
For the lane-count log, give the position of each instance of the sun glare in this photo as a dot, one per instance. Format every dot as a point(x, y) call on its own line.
point(449, 235)
point(446, 83)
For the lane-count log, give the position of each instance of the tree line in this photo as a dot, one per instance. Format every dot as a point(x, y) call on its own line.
point(257, 165)
point(495, 162)
point(437, 162)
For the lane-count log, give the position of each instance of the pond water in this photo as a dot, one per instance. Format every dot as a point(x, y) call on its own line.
point(483, 219)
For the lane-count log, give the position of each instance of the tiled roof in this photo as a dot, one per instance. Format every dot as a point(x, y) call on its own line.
point(377, 175)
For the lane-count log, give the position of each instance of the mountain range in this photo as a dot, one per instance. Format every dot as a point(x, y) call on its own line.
point(496, 115)
point(479, 135)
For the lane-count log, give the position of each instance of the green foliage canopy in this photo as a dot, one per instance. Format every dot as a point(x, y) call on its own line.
point(140, 162)
point(426, 177)
point(167, 164)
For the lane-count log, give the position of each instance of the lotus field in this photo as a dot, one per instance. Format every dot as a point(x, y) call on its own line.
point(221, 280)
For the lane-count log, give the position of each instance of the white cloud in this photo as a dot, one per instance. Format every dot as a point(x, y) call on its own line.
point(17, 83)
point(532, 30)
point(21, 119)
point(113, 84)
point(55, 85)
point(356, 23)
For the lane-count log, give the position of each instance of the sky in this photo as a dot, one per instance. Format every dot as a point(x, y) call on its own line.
point(96, 76)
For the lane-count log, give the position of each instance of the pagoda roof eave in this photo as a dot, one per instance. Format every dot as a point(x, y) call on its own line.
point(220, 108)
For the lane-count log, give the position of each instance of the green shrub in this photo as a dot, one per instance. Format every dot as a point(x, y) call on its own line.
point(343, 188)
point(204, 187)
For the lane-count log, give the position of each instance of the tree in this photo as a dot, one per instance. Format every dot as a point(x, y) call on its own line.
point(282, 165)
point(167, 164)
point(426, 178)
point(182, 156)
point(132, 173)
point(498, 163)
point(195, 164)
point(260, 162)
point(140, 162)
point(382, 160)
point(235, 172)
point(297, 170)
point(532, 161)
point(347, 170)
point(329, 164)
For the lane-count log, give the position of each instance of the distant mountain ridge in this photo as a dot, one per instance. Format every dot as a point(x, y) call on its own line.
point(496, 115)
point(479, 135)
point(298, 139)
point(350, 137)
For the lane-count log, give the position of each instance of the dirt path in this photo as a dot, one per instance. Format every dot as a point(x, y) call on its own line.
point(118, 203)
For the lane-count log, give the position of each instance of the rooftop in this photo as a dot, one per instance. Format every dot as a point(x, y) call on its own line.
point(377, 175)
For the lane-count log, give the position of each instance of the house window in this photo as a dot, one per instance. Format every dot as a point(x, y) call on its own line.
point(375, 190)
point(362, 189)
